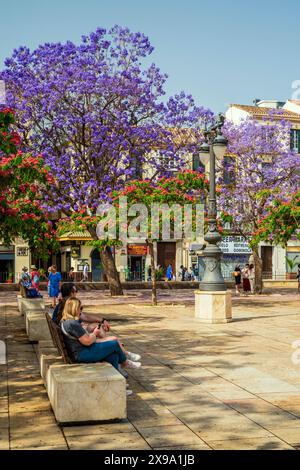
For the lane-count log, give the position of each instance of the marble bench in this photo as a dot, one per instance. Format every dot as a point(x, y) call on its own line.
point(86, 392)
point(36, 326)
point(25, 304)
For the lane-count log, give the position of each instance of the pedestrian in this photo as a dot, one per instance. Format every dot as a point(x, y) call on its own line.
point(35, 277)
point(237, 274)
point(298, 277)
point(85, 272)
point(252, 277)
point(246, 282)
point(191, 275)
point(169, 272)
point(54, 284)
point(71, 275)
point(182, 271)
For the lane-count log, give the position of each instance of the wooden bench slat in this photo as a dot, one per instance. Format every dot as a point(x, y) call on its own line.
point(58, 339)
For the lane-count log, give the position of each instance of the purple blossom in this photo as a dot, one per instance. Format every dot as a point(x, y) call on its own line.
point(95, 113)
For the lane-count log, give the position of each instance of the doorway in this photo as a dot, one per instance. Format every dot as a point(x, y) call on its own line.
point(166, 254)
point(267, 264)
point(136, 267)
point(97, 267)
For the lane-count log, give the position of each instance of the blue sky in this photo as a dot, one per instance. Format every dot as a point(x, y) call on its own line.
point(222, 52)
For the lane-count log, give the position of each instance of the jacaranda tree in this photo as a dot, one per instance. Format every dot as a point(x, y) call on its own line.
point(260, 169)
point(97, 116)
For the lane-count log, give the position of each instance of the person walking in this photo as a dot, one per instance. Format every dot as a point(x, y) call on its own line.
point(252, 277)
point(71, 275)
point(35, 277)
point(85, 272)
point(169, 272)
point(54, 284)
point(246, 282)
point(237, 274)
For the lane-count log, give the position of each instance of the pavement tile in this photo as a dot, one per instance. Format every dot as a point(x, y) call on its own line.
point(271, 443)
point(253, 405)
point(98, 429)
point(169, 436)
point(241, 427)
point(270, 420)
point(4, 419)
point(36, 436)
point(4, 439)
point(122, 441)
point(290, 435)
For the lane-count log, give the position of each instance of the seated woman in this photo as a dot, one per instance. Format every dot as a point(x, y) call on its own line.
point(86, 347)
point(26, 287)
point(88, 322)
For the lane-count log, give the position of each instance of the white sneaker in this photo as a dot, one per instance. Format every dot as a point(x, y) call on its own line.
point(132, 365)
point(133, 357)
point(129, 392)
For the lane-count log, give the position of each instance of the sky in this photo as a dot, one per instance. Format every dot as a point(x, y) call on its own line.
point(220, 51)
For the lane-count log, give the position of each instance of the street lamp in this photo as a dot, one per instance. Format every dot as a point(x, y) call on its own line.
point(213, 302)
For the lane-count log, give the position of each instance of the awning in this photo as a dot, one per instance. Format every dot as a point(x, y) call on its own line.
point(76, 236)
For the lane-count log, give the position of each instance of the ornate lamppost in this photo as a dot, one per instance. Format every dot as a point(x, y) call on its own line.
point(212, 300)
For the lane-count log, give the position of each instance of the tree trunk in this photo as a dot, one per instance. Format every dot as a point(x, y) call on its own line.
point(111, 272)
point(153, 276)
point(109, 266)
point(258, 271)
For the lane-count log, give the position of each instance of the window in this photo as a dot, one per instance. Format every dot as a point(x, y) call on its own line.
point(295, 140)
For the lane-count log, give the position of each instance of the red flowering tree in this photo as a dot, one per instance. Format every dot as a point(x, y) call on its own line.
point(281, 222)
point(21, 177)
point(188, 187)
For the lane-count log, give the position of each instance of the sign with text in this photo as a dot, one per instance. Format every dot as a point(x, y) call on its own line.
point(137, 250)
point(234, 244)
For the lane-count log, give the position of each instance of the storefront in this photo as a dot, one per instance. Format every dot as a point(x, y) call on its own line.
point(136, 259)
point(7, 261)
point(236, 252)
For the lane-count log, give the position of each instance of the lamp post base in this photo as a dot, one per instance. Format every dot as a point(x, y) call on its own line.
point(213, 307)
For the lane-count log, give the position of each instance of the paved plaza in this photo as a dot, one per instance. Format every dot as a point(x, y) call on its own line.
point(230, 386)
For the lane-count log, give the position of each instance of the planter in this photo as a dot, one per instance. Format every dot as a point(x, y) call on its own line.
point(9, 281)
point(291, 275)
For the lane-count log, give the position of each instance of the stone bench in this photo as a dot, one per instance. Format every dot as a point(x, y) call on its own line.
point(30, 304)
point(46, 360)
point(86, 392)
point(36, 327)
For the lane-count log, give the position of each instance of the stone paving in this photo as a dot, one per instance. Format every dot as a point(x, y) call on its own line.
point(231, 386)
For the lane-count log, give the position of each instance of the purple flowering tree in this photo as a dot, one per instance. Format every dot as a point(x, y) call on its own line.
point(98, 117)
point(260, 168)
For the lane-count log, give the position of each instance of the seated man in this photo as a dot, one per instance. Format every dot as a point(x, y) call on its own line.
point(68, 290)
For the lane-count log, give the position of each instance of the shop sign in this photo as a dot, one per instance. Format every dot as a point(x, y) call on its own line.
point(137, 250)
point(22, 251)
point(233, 244)
point(75, 251)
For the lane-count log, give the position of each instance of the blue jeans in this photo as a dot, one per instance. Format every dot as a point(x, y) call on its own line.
point(109, 351)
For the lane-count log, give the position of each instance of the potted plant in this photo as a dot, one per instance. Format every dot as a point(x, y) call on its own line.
point(10, 278)
point(291, 264)
point(159, 273)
